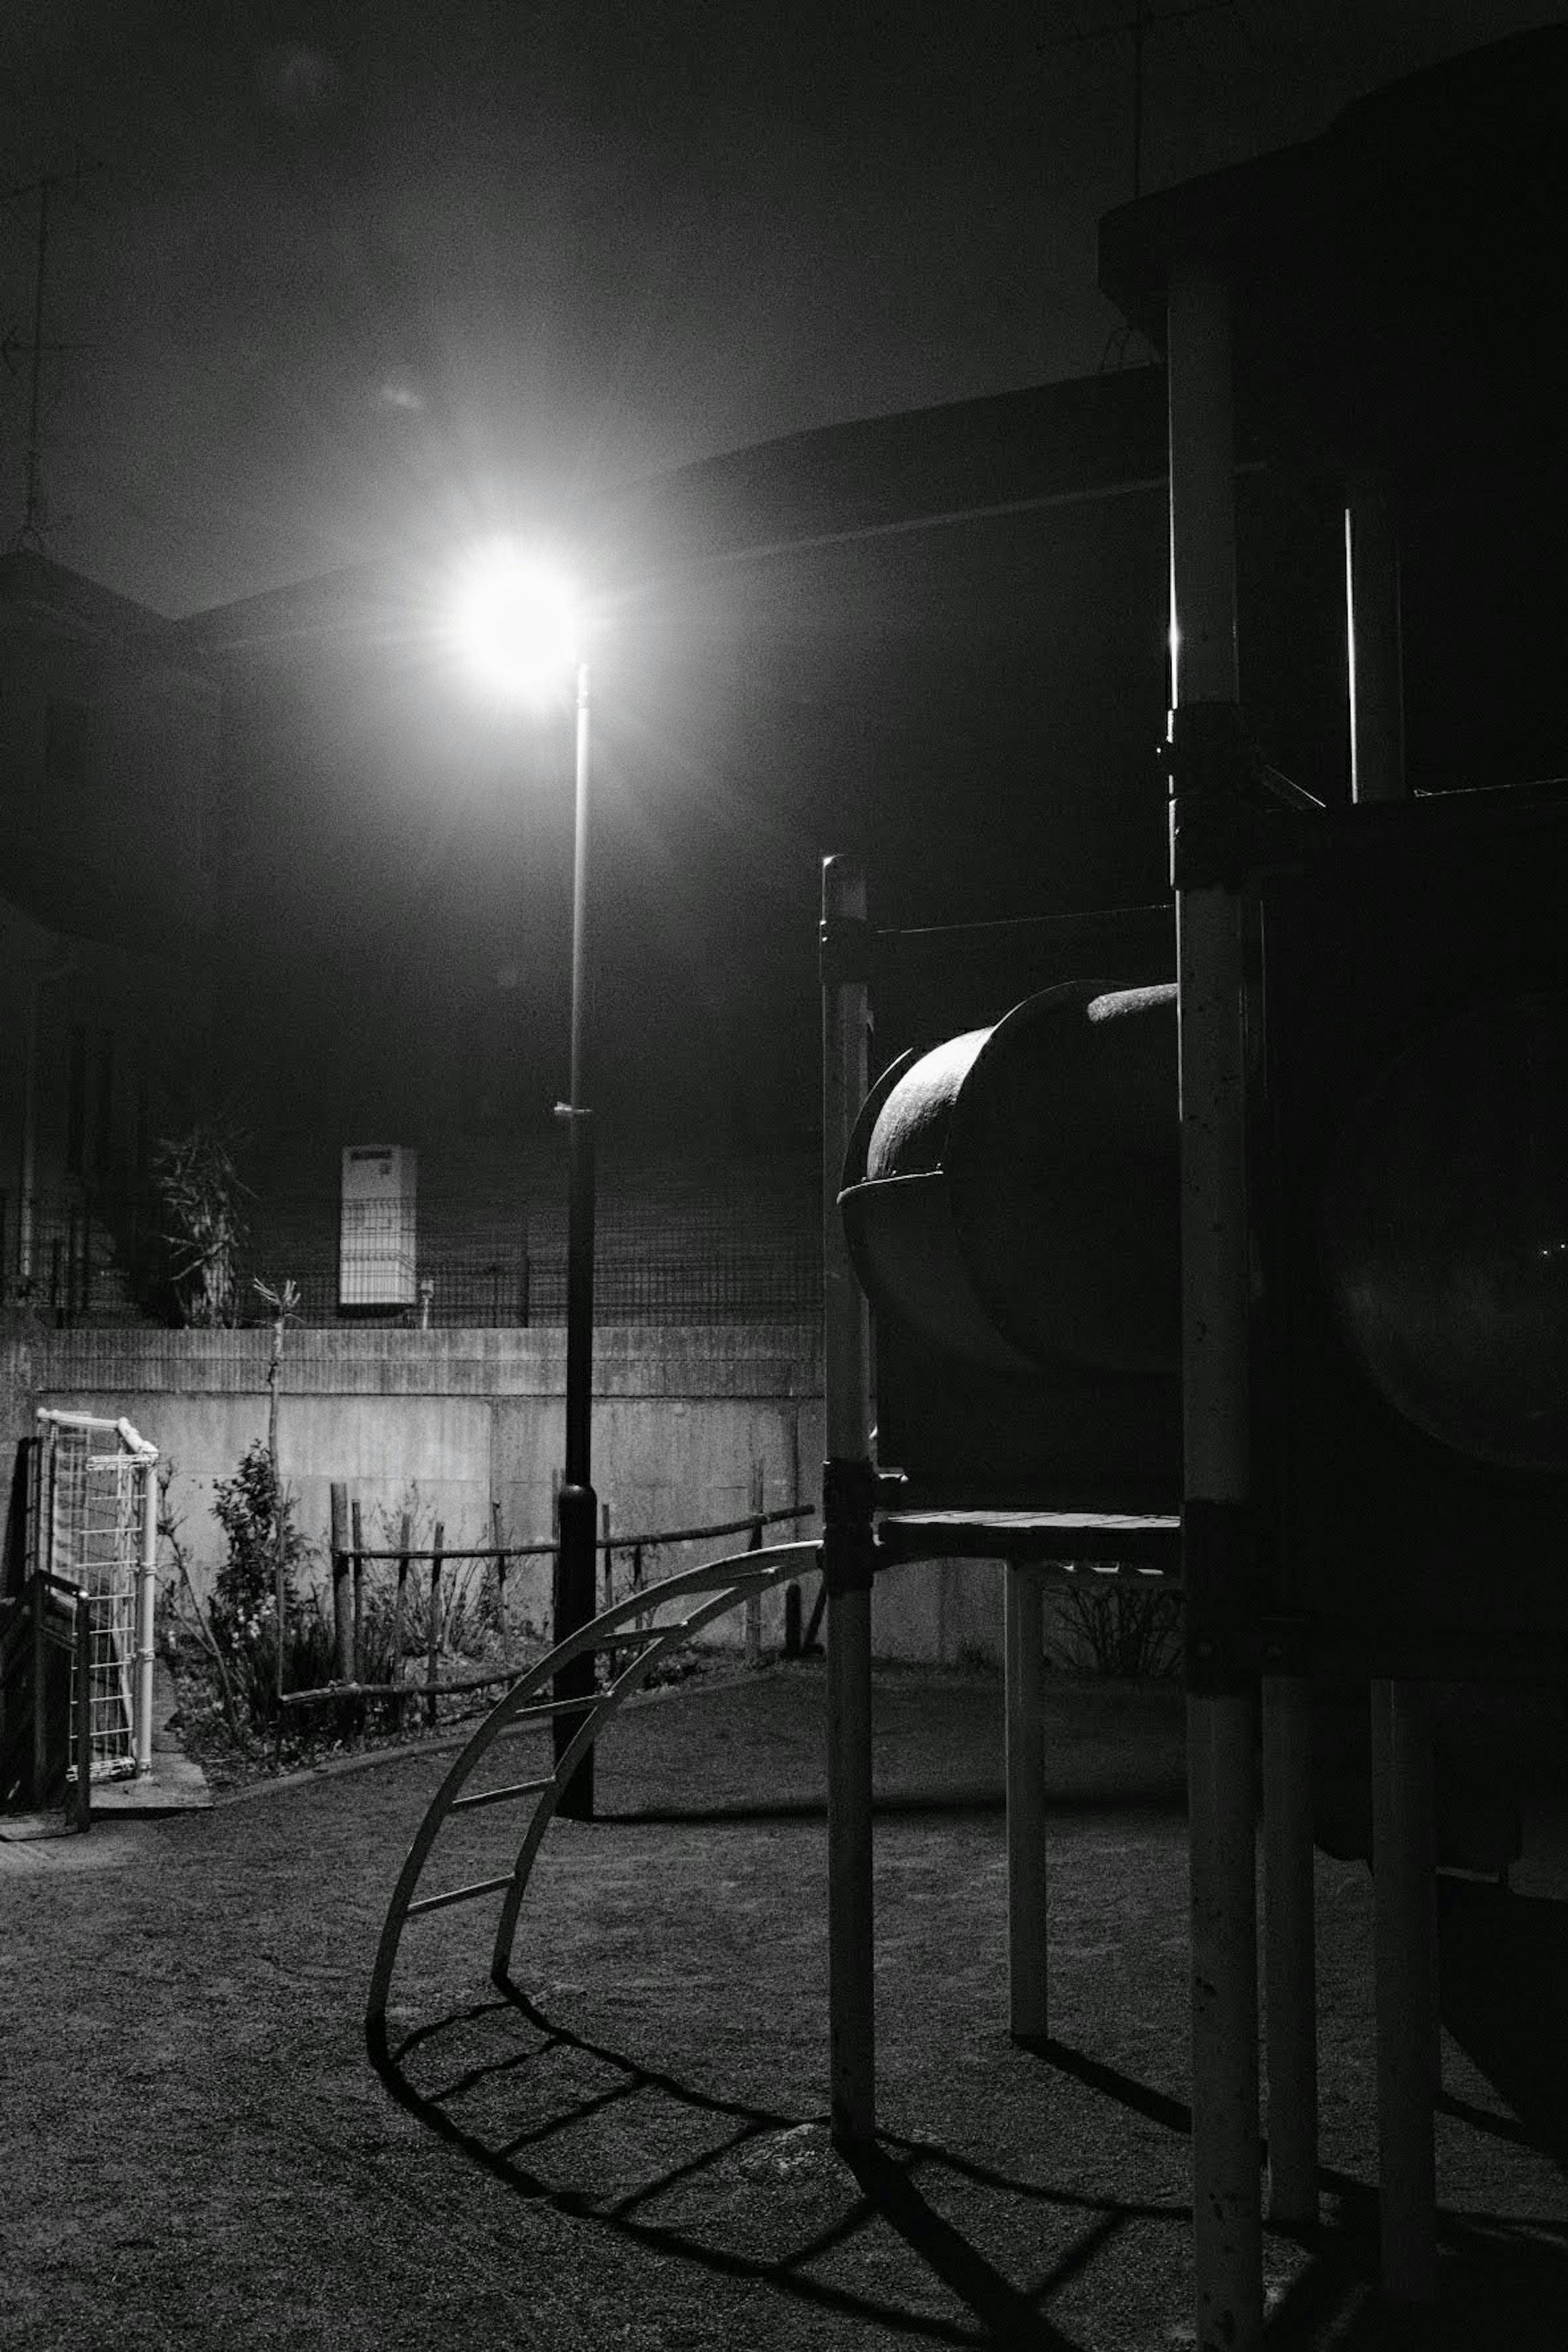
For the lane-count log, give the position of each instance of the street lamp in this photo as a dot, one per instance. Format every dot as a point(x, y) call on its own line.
point(520, 626)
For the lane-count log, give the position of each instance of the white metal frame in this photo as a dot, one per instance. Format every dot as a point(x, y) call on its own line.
point(97, 1526)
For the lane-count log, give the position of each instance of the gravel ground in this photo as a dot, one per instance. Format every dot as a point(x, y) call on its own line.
point(197, 2152)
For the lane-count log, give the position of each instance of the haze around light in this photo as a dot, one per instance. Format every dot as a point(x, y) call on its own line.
point(516, 622)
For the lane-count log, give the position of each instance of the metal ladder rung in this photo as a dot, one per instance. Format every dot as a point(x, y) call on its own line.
point(458, 1895)
point(495, 1796)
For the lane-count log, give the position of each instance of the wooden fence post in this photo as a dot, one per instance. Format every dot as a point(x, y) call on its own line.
point(434, 1630)
point(400, 1633)
point(754, 1600)
point(501, 1585)
point(343, 1599)
point(358, 1591)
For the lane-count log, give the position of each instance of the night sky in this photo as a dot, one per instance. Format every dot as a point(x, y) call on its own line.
point(343, 281)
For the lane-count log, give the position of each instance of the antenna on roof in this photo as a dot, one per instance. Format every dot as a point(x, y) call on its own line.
point(35, 521)
point(1140, 24)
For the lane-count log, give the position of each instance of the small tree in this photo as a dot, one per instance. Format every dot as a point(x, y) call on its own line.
point(265, 1550)
point(200, 1190)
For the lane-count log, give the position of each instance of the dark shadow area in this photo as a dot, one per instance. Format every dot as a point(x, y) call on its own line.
point(1112, 2084)
point(1504, 1970)
point(796, 1809)
point(901, 2183)
point(1157, 1798)
point(14, 1550)
point(1501, 2281)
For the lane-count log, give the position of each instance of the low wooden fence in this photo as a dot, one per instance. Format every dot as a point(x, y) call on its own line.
point(350, 1555)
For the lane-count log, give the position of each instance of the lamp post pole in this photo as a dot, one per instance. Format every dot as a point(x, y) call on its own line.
point(577, 1529)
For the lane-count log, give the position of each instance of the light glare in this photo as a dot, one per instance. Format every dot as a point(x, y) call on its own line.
point(518, 625)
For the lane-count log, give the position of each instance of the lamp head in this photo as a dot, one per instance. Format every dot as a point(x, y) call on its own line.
point(517, 623)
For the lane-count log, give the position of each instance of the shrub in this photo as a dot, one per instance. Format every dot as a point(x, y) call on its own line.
point(258, 1522)
point(1122, 1628)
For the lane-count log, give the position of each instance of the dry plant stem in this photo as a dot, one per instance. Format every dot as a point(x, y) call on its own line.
point(284, 1302)
point(167, 1530)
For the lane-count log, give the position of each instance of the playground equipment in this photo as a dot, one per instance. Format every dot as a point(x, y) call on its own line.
point(1371, 1033)
point(78, 1649)
point(624, 1632)
point(1371, 1168)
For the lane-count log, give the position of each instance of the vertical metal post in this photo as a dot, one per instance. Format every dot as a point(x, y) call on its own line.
point(1403, 1827)
point(343, 1599)
point(40, 1550)
point(1289, 1949)
point(146, 1589)
point(578, 1507)
point(1027, 1952)
point(40, 1722)
point(81, 1635)
point(846, 1526)
point(1404, 1863)
point(1373, 637)
point(1221, 1680)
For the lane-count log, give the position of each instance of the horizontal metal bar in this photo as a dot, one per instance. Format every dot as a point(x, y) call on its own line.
point(458, 1895)
point(1035, 1539)
point(497, 1796)
point(541, 1710)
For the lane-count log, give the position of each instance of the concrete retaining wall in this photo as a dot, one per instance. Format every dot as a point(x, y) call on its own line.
point(445, 1424)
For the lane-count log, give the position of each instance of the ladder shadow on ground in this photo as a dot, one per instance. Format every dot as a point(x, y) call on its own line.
point(758, 2194)
point(747, 2192)
point(1503, 2280)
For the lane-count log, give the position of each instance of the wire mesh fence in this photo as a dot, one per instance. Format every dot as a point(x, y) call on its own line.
point(94, 1493)
point(738, 1242)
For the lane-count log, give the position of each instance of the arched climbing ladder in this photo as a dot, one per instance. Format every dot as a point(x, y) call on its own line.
point(714, 1589)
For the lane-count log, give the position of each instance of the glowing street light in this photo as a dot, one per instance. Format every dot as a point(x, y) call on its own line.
point(519, 627)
